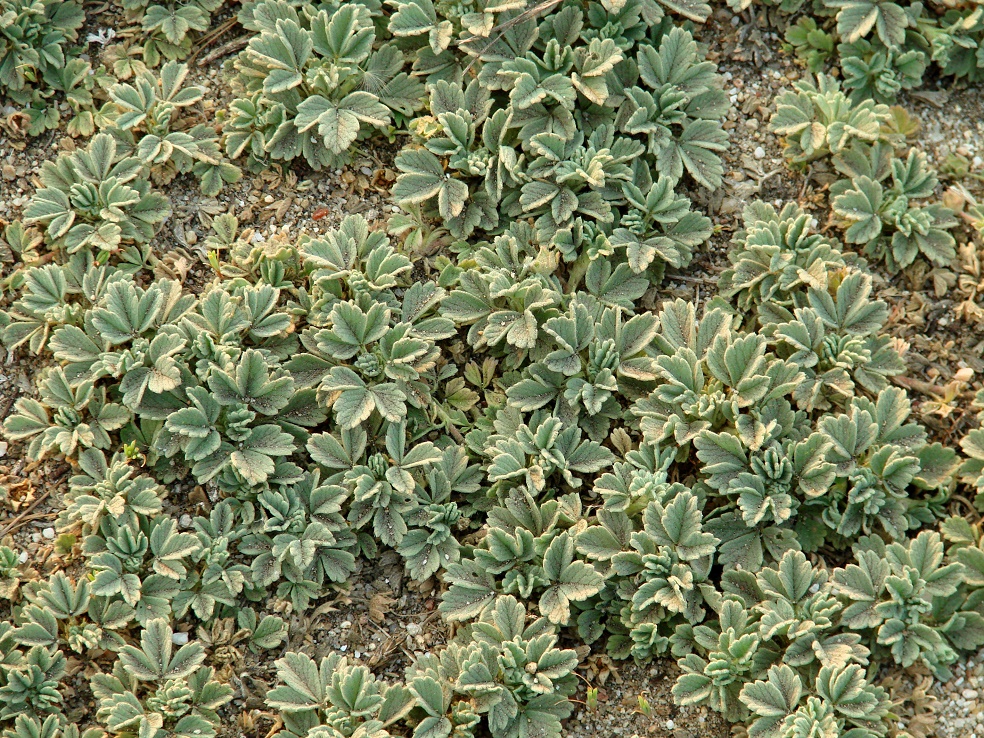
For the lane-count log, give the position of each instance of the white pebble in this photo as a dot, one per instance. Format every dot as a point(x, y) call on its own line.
point(977, 162)
point(970, 694)
point(49, 533)
point(759, 152)
point(23, 557)
point(185, 521)
point(413, 629)
point(179, 638)
point(345, 624)
point(670, 725)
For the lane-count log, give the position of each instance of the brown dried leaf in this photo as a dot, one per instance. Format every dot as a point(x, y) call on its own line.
point(380, 605)
point(943, 281)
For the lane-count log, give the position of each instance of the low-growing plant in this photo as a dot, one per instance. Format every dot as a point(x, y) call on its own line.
point(883, 48)
point(96, 199)
point(314, 84)
point(818, 120)
point(777, 257)
point(878, 201)
point(36, 38)
point(160, 687)
point(499, 399)
point(334, 695)
point(532, 157)
point(146, 119)
point(884, 219)
point(70, 91)
point(169, 28)
point(502, 667)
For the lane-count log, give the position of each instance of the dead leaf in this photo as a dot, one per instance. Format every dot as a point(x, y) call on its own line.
point(936, 98)
point(380, 605)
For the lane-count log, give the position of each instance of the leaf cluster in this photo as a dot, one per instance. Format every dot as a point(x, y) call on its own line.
point(880, 199)
point(169, 29)
point(148, 120)
point(36, 41)
point(314, 82)
point(883, 48)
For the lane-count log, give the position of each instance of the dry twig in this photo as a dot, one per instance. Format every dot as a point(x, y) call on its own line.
point(208, 39)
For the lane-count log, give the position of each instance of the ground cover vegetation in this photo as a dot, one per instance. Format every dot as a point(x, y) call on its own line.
point(737, 484)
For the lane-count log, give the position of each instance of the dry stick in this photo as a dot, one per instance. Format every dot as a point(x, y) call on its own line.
point(926, 388)
point(207, 40)
point(22, 518)
point(212, 36)
point(38, 516)
point(687, 278)
point(227, 48)
point(525, 15)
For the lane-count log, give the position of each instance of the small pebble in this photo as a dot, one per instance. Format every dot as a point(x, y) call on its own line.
point(759, 152)
point(670, 725)
point(48, 533)
point(185, 521)
point(179, 639)
point(413, 629)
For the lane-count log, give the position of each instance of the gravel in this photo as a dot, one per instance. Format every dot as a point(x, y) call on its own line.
point(960, 713)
